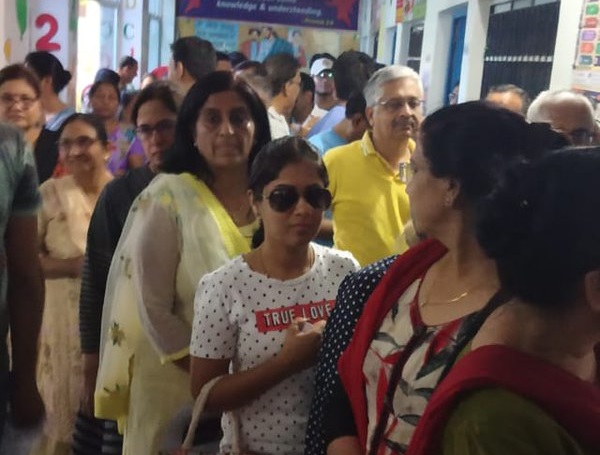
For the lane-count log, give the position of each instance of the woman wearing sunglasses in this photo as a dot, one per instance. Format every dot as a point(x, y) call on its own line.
point(259, 317)
point(68, 203)
point(190, 220)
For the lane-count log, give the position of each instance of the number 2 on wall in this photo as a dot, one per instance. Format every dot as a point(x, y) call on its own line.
point(45, 43)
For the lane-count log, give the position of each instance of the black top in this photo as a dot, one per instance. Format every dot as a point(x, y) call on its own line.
point(105, 229)
point(331, 414)
point(46, 154)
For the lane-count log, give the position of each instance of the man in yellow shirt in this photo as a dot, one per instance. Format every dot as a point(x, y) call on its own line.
point(368, 177)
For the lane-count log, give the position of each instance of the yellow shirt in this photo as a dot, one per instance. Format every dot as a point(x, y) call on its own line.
point(370, 204)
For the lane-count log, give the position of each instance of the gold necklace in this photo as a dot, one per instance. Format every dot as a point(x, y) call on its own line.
point(446, 302)
point(459, 297)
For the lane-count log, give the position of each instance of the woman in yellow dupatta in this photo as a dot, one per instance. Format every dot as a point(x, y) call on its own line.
point(187, 222)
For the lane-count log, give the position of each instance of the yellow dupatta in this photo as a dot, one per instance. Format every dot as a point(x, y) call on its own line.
point(208, 239)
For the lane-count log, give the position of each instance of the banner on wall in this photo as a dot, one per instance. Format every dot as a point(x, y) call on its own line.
point(586, 75)
point(336, 14)
point(410, 10)
point(258, 41)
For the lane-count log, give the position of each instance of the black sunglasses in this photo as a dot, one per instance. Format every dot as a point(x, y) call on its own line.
point(284, 197)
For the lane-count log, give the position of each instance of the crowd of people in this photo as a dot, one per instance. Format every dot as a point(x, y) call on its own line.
point(332, 270)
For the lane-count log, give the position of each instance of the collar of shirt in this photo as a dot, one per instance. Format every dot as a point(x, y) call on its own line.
point(368, 148)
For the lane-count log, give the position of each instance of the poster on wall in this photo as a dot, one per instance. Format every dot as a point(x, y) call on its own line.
point(586, 75)
point(258, 41)
point(335, 14)
point(410, 10)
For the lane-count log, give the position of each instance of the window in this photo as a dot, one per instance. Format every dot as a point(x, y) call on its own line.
point(415, 43)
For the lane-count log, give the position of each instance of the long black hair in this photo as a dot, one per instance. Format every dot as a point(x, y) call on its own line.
point(474, 142)
point(183, 156)
point(45, 64)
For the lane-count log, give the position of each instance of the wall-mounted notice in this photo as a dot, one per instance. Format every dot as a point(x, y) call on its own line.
point(586, 74)
point(335, 14)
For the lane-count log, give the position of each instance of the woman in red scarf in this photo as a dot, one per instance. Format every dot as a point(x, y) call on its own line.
point(531, 381)
point(419, 307)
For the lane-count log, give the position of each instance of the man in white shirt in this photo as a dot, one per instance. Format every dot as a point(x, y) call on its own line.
point(283, 73)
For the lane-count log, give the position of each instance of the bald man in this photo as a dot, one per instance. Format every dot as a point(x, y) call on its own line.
point(510, 97)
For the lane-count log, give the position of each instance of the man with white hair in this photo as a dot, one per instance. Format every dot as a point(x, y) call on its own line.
point(567, 112)
point(368, 177)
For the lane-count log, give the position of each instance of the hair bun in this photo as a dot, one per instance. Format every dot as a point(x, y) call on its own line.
point(504, 217)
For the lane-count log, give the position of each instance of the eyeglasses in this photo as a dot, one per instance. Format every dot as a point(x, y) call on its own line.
point(395, 104)
point(9, 100)
point(284, 197)
point(580, 136)
point(161, 128)
point(82, 143)
point(239, 118)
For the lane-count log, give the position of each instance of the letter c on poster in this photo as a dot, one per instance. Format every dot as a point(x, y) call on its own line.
point(128, 31)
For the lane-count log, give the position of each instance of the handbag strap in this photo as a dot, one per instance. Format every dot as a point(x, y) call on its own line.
point(197, 411)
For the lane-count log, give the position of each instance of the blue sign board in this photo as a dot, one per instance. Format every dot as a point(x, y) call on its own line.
point(333, 14)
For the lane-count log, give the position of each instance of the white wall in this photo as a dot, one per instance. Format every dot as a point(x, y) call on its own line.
point(471, 74)
point(364, 26)
point(132, 33)
point(436, 48)
point(566, 44)
point(436, 44)
point(47, 26)
point(402, 42)
point(168, 31)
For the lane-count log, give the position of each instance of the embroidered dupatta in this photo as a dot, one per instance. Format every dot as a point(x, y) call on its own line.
point(208, 238)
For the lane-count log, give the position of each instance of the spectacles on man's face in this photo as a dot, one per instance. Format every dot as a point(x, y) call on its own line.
point(395, 104)
point(284, 197)
point(9, 100)
point(580, 136)
point(239, 118)
point(81, 142)
point(161, 128)
point(325, 75)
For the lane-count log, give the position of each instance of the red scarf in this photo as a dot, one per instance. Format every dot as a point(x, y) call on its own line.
point(401, 274)
point(577, 410)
